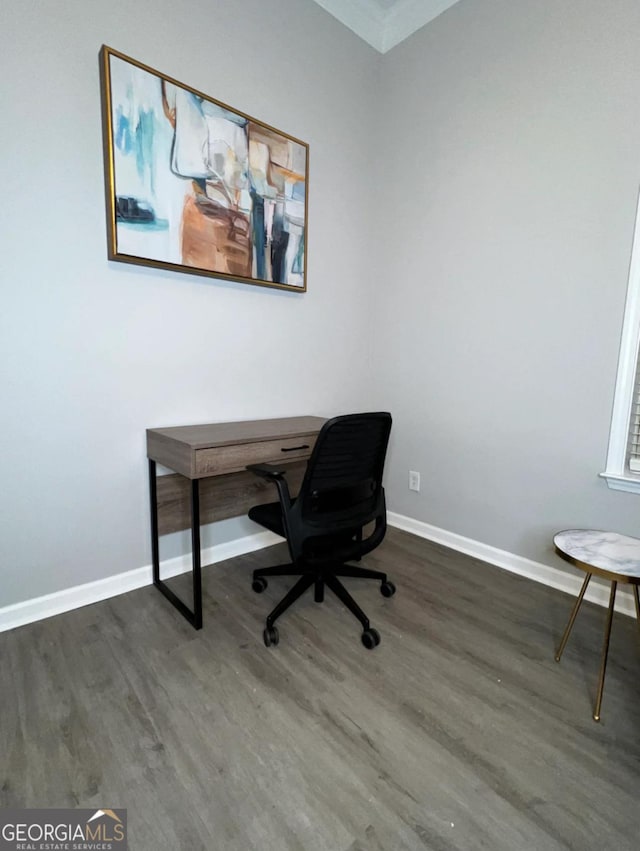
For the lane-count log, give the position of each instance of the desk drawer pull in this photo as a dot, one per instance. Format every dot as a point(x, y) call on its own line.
point(295, 448)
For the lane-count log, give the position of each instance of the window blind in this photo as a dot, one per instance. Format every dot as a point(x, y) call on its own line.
point(633, 443)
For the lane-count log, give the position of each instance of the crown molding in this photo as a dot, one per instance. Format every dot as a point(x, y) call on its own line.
point(408, 16)
point(363, 17)
point(385, 29)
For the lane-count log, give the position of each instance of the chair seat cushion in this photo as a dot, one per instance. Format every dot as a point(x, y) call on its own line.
point(338, 547)
point(268, 515)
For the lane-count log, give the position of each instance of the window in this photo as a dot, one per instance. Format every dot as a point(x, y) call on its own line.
point(623, 458)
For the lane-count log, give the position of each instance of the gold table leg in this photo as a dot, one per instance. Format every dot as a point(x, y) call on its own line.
point(605, 651)
point(572, 617)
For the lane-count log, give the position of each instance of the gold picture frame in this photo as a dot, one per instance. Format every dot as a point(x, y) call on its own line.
point(196, 186)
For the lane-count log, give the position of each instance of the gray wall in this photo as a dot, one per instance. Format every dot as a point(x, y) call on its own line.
point(510, 146)
point(93, 353)
point(485, 173)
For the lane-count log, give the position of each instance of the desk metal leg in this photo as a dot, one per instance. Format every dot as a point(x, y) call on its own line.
point(195, 553)
point(155, 542)
point(194, 617)
point(636, 596)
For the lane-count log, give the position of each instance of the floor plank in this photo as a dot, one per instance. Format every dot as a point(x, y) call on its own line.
point(458, 732)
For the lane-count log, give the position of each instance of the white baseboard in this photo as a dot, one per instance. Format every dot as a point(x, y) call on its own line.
point(29, 611)
point(552, 576)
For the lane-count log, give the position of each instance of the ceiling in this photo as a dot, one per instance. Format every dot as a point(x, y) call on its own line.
point(385, 23)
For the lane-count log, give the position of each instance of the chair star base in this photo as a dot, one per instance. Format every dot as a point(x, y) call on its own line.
point(326, 576)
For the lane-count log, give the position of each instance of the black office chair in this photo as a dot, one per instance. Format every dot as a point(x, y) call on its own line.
point(341, 494)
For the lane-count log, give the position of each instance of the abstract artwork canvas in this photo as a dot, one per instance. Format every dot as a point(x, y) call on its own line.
point(196, 186)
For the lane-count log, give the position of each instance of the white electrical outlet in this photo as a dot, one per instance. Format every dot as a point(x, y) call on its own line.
point(414, 480)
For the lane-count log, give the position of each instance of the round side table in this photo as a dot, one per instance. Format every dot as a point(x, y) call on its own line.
point(611, 556)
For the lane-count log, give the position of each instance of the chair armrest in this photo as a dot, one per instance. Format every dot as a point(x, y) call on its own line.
point(276, 475)
point(267, 471)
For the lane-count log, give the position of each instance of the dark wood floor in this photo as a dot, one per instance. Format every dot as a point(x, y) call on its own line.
point(458, 732)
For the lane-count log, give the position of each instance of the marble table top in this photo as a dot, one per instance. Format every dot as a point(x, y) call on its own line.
point(604, 550)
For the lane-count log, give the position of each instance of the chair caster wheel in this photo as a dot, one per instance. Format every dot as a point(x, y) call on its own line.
point(259, 584)
point(370, 638)
point(387, 589)
point(271, 636)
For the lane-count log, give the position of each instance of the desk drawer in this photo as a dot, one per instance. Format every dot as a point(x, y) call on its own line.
point(230, 459)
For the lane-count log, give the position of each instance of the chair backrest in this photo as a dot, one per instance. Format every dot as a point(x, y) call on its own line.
point(342, 488)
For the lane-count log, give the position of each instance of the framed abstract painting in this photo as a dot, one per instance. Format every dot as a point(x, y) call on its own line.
point(196, 186)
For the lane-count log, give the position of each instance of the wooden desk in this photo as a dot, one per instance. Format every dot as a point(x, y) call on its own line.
point(211, 483)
